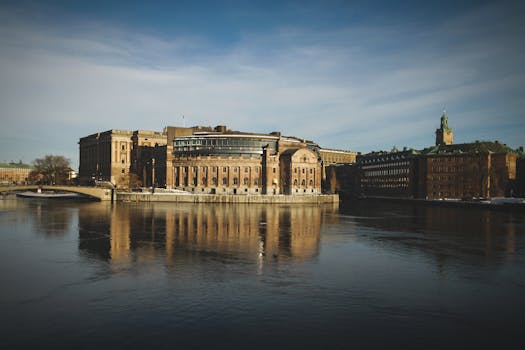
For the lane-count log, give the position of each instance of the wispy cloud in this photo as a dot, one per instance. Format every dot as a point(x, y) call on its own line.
point(358, 86)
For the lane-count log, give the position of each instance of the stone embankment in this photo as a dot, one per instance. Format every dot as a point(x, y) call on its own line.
point(224, 198)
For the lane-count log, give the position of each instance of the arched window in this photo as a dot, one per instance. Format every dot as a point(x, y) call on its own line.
point(303, 182)
point(214, 181)
point(311, 182)
point(295, 182)
point(245, 181)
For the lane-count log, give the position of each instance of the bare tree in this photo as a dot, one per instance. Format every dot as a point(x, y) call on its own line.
point(51, 169)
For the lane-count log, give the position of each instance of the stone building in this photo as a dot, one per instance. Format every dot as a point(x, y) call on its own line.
point(202, 160)
point(389, 174)
point(469, 170)
point(446, 170)
point(222, 161)
point(115, 154)
point(335, 156)
point(14, 173)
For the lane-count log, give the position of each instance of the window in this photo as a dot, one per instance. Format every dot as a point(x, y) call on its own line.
point(295, 170)
point(246, 169)
point(303, 183)
point(311, 182)
point(214, 181)
point(123, 147)
point(295, 182)
point(256, 181)
point(245, 181)
point(303, 170)
point(123, 171)
point(311, 171)
point(224, 181)
point(235, 181)
point(273, 170)
point(204, 181)
point(257, 170)
point(223, 169)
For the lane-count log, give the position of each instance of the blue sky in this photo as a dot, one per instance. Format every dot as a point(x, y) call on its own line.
point(359, 75)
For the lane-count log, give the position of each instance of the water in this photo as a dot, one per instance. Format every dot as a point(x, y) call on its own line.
point(364, 275)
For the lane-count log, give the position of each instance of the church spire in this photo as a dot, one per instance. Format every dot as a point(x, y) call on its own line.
point(444, 135)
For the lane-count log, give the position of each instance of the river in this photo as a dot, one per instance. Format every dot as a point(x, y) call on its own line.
point(365, 274)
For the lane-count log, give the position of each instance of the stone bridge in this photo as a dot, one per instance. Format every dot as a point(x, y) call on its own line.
point(102, 194)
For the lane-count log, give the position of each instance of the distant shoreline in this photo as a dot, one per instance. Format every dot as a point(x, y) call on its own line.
point(444, 202)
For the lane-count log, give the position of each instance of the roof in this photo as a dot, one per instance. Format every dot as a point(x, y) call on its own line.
point(16, 166)
point(470, 148)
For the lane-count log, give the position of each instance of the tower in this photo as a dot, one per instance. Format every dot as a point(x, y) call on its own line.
point(444, 135)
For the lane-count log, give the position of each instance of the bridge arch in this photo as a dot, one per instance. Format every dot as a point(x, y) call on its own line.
point(102, 194)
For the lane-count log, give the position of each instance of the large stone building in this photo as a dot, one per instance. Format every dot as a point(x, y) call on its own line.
point(115, 154)
point(222, 161)
point(469, 170)
point(207, 160)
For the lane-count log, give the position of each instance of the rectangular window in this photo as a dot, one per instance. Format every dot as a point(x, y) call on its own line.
point(274, 170)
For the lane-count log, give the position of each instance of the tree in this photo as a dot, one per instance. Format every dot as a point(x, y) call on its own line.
point(52, 170)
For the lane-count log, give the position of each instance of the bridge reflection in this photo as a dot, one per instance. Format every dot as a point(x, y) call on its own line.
point(128, 233)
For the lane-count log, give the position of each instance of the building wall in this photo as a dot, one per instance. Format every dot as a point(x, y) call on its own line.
point(389, 174)
point(300, 172)
point(10, 175)
point(466, 176)
point(217, 174)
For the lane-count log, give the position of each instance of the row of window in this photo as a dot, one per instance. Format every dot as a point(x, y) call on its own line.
point(387, 172)
point(387, 185)
point(388, 180)
point(214, 181)
point(450, 169)
point(448, 159)
point(214, 169)
point(385, 165)
point(303, 170)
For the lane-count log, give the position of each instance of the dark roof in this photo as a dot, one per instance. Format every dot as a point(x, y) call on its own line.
point(469, 148)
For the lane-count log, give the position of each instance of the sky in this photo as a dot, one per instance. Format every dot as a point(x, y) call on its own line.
point(356, 75)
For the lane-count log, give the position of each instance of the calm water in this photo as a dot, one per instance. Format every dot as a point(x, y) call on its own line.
point(364, 275)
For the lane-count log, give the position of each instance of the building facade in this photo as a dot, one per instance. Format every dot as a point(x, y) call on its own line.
point(470, 170)
point(221, 161)
point(117, 156)
point(389, 174)
point(446, 170)
point(14, 173)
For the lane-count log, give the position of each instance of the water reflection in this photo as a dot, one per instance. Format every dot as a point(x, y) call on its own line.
point(50, 219)
point(125, 233)
point(445, 232)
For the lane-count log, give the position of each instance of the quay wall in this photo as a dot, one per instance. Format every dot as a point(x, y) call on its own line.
point(225, 198)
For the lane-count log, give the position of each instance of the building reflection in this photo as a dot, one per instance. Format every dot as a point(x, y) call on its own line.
point(122, 234)
point(466, 233)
